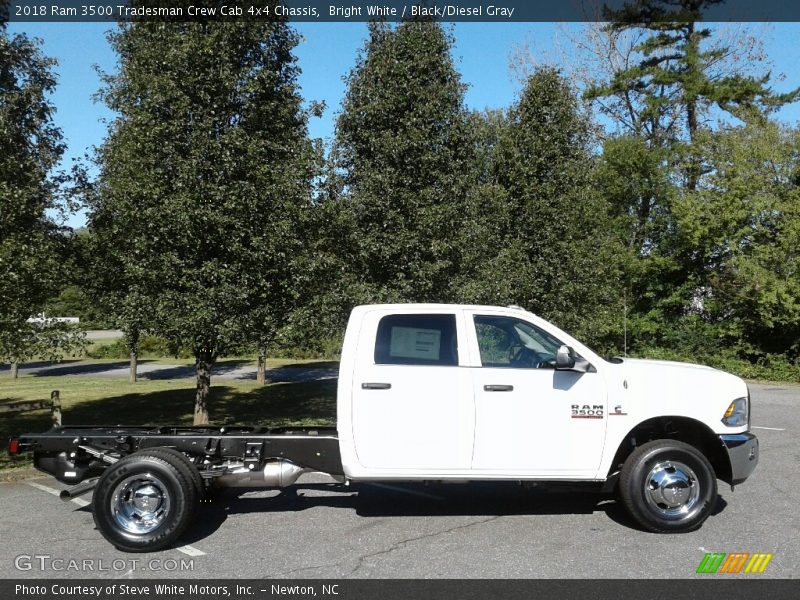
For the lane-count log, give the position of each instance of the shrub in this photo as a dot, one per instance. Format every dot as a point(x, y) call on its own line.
point(150, 346)
point(767, 367)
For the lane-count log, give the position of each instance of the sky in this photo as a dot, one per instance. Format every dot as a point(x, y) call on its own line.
point(326, 54)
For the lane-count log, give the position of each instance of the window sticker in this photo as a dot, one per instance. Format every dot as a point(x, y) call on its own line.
point(413, 342)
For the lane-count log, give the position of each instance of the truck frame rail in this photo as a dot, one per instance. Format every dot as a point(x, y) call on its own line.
point(72, 454)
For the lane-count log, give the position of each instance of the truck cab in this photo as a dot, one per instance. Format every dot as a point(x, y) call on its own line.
point(440, 392)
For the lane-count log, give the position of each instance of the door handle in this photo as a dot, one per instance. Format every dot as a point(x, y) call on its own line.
point(376, 386)
point(498, 388)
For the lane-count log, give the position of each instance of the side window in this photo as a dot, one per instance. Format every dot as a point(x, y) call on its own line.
point(417, 340)
point(513, 343)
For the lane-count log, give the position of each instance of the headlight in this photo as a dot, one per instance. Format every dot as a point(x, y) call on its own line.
point(737, 413)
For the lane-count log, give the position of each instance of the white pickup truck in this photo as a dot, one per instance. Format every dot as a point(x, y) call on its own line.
point(434, 392)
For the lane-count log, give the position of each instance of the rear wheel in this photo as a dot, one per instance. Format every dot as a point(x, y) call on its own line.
point(144, 502)
point(184, 464)
point(668, 486)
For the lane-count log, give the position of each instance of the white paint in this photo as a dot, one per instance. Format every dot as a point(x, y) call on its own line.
point(44, 488)
point(530, 429)
point(770, 428)
point(425, 421)
point(79, 501)
point(436, 422)
point(190, 550)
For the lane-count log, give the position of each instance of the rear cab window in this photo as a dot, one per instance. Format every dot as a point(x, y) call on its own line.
point(424, 339)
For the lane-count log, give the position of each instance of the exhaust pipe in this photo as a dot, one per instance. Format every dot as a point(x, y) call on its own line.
point(79, 490)
point(281, 473)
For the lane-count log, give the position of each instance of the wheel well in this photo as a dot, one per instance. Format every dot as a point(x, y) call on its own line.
point(683, 429)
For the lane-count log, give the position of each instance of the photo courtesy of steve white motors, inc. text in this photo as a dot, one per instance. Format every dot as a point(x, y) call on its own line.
point(193, 590)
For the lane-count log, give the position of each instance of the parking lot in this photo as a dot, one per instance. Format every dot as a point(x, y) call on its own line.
point(321, 529)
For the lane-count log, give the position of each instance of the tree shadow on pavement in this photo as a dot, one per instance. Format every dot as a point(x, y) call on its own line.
point(38, 364)
point(186, 371)
point(81, 368)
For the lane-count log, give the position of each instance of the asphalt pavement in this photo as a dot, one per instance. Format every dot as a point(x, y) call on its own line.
point(321, 529)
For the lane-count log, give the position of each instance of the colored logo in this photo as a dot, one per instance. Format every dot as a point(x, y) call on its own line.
point(735, 562)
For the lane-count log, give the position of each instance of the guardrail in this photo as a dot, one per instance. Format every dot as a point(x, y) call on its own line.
point(22, 406)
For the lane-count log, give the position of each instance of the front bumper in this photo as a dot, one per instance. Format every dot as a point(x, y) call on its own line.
point(743, 455)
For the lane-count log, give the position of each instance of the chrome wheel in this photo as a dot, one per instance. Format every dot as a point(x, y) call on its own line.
point(671, 489)
point(140, 503)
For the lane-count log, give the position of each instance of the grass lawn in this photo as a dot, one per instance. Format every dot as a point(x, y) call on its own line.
point(89, 400)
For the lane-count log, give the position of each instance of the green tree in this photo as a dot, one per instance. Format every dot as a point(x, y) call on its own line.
point(742, 226)
point(677, 74)
point(402, 153)
point(635, 179)
point(537, 234)
point(673, 81)
point(203, 177)
point(32, 244)
point(636, 182)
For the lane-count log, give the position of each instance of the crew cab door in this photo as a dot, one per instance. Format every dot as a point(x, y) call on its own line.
point(413, 407)
point(525, 416)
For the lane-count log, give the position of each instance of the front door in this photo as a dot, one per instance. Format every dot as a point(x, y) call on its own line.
point(413, 406)
point(526, 420)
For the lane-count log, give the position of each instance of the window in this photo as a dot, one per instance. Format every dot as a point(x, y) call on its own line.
point(513, 343)
point(417, 340)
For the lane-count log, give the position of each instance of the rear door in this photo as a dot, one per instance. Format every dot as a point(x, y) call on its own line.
point(413, 406)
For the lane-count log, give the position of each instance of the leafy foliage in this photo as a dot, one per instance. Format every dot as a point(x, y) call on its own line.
point(538, 232)
point(676, 73)
point(214, 229)
point(204, 176)
point(402, 152)
point(705, 224)
point(32, 245)
point(741, 233)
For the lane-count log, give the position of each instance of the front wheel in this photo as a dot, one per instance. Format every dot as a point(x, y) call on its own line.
point(668, 486)
point(144, 502)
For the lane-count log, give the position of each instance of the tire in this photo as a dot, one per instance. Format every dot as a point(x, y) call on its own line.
point(668, 486)
point(189, 471)
point(144, 502)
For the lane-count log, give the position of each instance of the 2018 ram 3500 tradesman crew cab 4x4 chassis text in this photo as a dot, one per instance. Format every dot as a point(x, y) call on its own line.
point(432, 392)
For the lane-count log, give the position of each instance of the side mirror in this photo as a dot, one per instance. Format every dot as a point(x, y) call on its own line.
point(565, 358)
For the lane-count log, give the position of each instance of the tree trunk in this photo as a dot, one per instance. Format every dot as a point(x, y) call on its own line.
point(203, 364)
point(134, 366)
point(132, 336)
point(693, 175)
point(261, 374)
point(692, 125)
point(55, 408)
point(14, 370)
